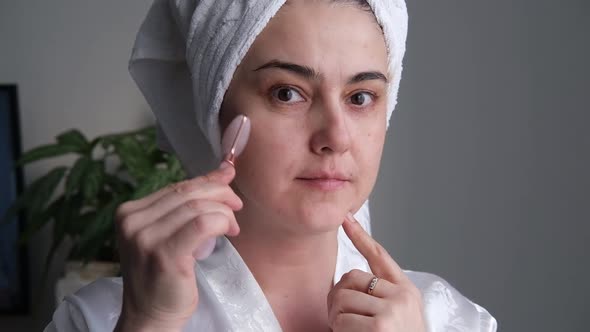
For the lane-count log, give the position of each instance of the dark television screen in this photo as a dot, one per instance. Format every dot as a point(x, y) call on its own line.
point(13, 295)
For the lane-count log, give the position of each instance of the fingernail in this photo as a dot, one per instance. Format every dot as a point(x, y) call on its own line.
point(350, 217)
point(224, 165)
point(204, 250)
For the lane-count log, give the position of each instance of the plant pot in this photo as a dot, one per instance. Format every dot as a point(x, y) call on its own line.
point(78, 275)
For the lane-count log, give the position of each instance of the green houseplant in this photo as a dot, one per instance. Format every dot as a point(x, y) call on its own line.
point(108, 170)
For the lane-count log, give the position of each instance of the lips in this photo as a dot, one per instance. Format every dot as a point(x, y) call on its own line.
point(324, 180)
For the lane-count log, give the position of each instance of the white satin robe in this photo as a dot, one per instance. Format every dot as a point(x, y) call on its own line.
point(230, 299)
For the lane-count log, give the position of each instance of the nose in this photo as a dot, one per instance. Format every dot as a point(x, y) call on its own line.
point(331, 133)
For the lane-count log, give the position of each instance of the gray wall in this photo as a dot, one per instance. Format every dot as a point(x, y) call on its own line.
point(485, 172)
point(487, 165)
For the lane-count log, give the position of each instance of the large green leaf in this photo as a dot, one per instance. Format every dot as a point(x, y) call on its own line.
point(107, 140)
point(97, 231)
point(149, 132)
point(90, 189)
point(93, 179)
point(175, 169)
point(67, 211)
point(67, 214)
point(75, 138)
point(45, 151)
point(90, 249)
point(45, 217)
point(43, 190)
point(154, 182)
point(102, 219)
point(13, 209)
point(134, 157)
point(59, 222)
point(36, 198)
point(100, 246)
point(78, 226)
point(76, 174)
point(118, 185)
point(148, 141)
point(22, 201)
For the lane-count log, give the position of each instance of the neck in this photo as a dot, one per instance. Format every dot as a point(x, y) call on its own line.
point(288, 258)
point(295, 269)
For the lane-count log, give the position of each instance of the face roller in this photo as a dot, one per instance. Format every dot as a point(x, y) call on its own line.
point(235, 138)
point(233, 143)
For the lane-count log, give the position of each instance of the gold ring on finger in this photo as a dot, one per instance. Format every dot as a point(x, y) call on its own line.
point(372, 285)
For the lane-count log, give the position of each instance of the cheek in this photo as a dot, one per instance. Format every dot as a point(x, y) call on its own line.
point(274, 143)
point(268, 162)
point(369, 151)
point(374, 147)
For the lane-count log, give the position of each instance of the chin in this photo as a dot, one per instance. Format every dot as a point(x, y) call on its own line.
point(320, 219)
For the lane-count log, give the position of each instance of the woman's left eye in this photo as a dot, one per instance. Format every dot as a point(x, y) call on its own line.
point(361, 99)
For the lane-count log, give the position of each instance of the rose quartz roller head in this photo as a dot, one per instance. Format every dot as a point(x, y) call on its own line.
point(233, 143)
point(235, 138)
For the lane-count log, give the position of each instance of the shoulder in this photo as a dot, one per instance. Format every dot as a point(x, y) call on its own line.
point(446, 309)
point(94, 307)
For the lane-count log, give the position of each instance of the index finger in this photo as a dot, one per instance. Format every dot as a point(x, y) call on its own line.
point(380, 262)
point(224, 174)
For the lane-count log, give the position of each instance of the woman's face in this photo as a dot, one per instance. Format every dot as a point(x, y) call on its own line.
point(314, 85)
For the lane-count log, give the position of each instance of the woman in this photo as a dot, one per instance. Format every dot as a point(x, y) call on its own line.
point(318, 80)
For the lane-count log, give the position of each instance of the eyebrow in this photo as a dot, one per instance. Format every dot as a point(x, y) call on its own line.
point(368, 75)
point(311, 74)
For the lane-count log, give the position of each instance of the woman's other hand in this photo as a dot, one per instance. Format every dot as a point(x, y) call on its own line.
point(395, 303)
point(157, 237)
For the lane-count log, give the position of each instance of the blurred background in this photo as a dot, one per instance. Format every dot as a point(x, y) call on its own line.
point(485, 175)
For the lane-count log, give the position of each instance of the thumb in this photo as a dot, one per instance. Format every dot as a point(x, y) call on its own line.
point(224, 174)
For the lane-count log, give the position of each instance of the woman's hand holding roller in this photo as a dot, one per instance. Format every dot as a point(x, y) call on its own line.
point(157, 237)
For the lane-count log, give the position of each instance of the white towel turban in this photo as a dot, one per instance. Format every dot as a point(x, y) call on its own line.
point(185, 56)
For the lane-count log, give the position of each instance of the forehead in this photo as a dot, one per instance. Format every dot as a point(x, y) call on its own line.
point(325, 35)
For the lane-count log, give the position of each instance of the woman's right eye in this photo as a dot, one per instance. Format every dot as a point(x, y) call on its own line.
point(287, 95)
